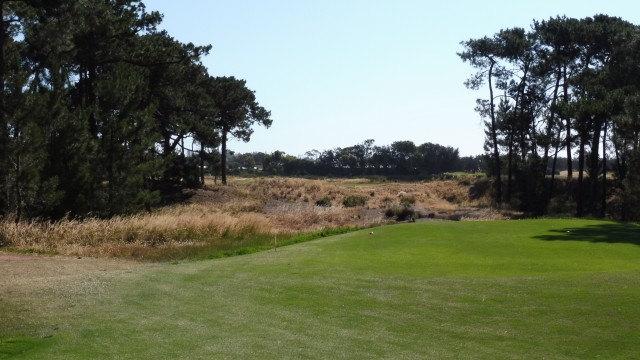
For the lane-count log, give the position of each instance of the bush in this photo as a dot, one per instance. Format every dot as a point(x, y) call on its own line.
point(407, 201)
point(481, 188)
point(406, 213)
point(390, 212)
point(400, 213)
point(386, 202)
point(354, 200)
point(631, 196)
point(324, 202)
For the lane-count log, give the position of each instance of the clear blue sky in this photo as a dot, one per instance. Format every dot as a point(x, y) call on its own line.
point(334, 73)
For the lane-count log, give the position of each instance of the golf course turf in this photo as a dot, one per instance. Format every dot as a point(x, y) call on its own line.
point(527, 289)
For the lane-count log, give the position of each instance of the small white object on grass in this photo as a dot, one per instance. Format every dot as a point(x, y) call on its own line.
point(371, 233)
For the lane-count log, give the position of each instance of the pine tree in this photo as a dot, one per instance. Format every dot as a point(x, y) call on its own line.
point(238, 111)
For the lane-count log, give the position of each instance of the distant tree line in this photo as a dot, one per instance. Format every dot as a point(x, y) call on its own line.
point(400, 159)
point(565, 87)
point(96, 105)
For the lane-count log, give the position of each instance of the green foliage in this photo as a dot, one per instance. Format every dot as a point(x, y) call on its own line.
point(565, 85)
point(96, 107)
point(401, 159)
point(390, 212)
point(531, 185)
point(354, 201)
point(404, 211)
point(407, 201)
point(400, 213)
point(325, 202)
point(237, 112)
point(631, 190)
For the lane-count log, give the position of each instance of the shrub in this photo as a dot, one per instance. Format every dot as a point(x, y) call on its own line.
point(325, 202)
point(354, 200)
point(407, 201)
point(386, 202)
point(465, 180)
point(405, 213)
point(401, 213)
point(481, 188)
point(390, 212)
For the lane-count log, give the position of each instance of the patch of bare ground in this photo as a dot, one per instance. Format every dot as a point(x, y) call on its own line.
point(25, 273)
point(34, 271)
point(37, 286)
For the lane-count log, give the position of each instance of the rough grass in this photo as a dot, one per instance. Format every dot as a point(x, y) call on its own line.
point(245, 215)
point(534, 289)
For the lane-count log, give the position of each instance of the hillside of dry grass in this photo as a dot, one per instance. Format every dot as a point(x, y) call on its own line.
point(226, 216)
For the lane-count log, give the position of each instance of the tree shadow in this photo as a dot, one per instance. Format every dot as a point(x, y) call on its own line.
point(623, 233)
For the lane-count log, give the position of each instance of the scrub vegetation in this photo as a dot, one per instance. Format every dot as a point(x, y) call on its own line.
point(245, 216)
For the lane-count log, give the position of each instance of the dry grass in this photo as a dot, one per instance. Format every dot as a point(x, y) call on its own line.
point(220, 216)
point(185, 225)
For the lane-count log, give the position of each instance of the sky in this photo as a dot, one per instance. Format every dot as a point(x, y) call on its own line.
point(335, 73)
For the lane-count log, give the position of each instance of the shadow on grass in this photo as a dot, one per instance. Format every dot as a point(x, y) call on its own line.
point(599, 233)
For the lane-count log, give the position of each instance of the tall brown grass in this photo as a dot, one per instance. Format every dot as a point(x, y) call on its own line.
point(184, 225)
point(224, 216)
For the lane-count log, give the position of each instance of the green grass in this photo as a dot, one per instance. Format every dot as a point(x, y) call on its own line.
point(534, 289)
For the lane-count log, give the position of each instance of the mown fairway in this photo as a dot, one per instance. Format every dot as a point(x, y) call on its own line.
point(534, 289)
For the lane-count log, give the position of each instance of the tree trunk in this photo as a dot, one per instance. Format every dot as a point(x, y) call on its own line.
point(547, 146)
point(568, 146)
point(595, 150)
point(594, 170)
point(110, 172)
point(580, 206)
point(202, 155)
point(494, 137)
point(223, 156)
point(4, 201)
point(18, 188)
point(565, 99)
point(91, 101)
point(603, 207)
point(518, 112)
point(552, 116)
point(553, 168)
point(510, 167)
point(620, 164)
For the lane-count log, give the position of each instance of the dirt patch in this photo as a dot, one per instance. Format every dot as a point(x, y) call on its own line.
point(55, 288)
point(24, 273)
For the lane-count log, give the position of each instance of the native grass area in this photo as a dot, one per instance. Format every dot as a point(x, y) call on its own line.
point(251, 214)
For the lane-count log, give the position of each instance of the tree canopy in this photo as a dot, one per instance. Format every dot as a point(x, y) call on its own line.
point(401, 159)
point(98, 109)
point(238, 111)
point(565, 85)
